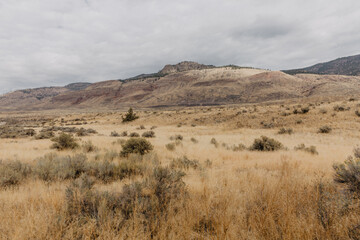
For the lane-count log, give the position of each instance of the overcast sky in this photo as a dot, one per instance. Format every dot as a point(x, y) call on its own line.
point(56, 42)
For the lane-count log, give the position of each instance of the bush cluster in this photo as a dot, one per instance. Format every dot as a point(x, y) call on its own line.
point(311, 149)
point(64, 141)
point(148, 134)
point(136, 146)
point(285, 131)
point(149, 199)
point(325, 129)
point(266, 144)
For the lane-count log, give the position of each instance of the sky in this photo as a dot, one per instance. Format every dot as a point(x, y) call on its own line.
point(57, 42)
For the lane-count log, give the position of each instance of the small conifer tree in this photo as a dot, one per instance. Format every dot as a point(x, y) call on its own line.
point(130, 116)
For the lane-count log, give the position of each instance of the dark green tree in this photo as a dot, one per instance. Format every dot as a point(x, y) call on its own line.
point(130, 116)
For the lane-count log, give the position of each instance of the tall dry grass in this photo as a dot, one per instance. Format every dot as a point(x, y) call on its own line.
point(244, 194)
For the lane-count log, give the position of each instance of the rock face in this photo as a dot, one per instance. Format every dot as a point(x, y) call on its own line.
point(341, 66)
point(184, 66)
point(185, 84)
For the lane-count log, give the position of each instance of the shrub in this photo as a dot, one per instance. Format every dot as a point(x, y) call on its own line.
point(13, 173)
point(348, 174)
point(324, 129)
point(266, 144)
point(15, 132)
point(149, 199)
point(134, 134)
point(111, 155)
point(45, 135)
point(323, 111)
point(64, 141)
point(148, 134)
point(285, 131)
point(357, 113)
point(177, 137)
point(303, 110)
point(170, 146)
point(267, 125)
point(311, 149)
point(136, 145)
point(89, 147)
point(237, 148)
point(214, 142)
point(124, 134)
point(194, 140)
point(130, 116)
point(55, 168)
point(114, 134)
point(80, 200)
point(338, 108)
point(81, 132)
point(184, 163)
point(142, 127)
point(107, 171)
point(357, 152)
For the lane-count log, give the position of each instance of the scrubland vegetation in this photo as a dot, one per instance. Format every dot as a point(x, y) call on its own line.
point(277, 171)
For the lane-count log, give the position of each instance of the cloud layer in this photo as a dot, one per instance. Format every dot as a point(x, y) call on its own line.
point(52, 43)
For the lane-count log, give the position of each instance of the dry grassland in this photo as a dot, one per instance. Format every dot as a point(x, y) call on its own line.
point(226, 193)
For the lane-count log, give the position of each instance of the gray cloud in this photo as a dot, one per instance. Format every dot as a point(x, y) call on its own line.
point(51, 42)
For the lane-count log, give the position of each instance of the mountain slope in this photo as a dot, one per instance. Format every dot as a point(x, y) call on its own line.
point(341, 66)
point(187, 84)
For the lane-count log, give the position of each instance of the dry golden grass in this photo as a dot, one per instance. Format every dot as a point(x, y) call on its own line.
point(242, 195)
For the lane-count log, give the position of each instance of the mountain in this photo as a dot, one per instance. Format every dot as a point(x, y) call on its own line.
point(185, 84)
point(36, 98)
point(342, 66)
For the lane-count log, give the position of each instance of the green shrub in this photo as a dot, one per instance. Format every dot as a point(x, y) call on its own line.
point(136, 145)
point(324, 129)
point(130, 116)
point(64, 141)
point(148, 134)
point(266, 144)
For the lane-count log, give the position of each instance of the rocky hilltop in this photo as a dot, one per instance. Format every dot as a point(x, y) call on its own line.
point(184, 66)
